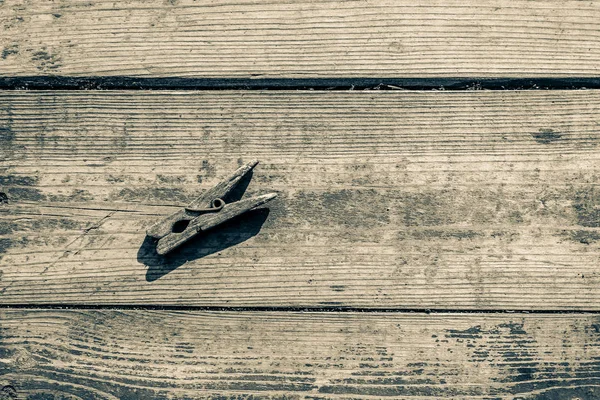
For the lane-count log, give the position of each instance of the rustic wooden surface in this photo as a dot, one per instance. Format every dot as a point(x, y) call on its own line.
point(393, 201)
point(65, 354)
point(309, 39)
point(442, 200)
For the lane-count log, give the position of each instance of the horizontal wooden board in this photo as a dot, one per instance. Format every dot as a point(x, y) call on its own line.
point(420, 200)
point(220, 355)
point(303, 39)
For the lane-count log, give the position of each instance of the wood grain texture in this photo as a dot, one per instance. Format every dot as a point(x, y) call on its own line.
point(441, 200)
point(305, 39)
point(184, 355)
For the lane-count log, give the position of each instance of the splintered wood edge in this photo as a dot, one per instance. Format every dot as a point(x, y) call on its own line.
point(392, 200)
point(263, 39)
point(158, 354)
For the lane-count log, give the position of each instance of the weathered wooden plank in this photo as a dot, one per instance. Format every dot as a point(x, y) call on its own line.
point(304, 39)
point(159, 354)
point(474, 200)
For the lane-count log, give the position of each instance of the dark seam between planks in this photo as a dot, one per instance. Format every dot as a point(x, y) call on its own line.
point(290, 309)
point(341, 84)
